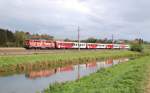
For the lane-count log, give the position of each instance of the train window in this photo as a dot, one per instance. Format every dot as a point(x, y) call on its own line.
point(37, 41)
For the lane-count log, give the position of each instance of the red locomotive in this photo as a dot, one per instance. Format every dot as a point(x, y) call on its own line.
point(42, 44)
point(47, 44)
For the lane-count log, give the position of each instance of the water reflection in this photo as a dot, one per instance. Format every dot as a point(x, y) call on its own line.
point(75, 68)
point(38, 80)
point(43, 73)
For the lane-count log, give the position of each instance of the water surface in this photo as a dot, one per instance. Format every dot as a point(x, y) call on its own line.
point(39, 80)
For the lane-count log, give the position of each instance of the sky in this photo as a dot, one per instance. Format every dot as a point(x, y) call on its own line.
point(125, 19)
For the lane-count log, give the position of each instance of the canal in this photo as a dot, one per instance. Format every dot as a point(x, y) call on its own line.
point(37, 81)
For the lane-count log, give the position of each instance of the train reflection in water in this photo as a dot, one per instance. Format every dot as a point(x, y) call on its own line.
point(39, 80)
point(75, 68)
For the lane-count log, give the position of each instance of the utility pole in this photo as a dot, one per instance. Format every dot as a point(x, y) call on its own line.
point(139, 38)
point(78, 38)
point(6, 38)
point(78, 50)
point(112, 41)
point(112, 38)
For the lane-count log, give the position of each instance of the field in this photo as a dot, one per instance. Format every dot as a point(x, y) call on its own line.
point(129, 77)
point(25, 62)
point(146, 48)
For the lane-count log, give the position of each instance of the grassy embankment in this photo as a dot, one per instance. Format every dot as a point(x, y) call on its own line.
point(28, 62)
point(127, 77)
point(146, 48)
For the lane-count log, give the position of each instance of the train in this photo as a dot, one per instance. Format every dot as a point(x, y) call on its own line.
point(48, 44)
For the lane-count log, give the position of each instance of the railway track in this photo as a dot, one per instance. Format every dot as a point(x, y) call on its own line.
point(23, 51)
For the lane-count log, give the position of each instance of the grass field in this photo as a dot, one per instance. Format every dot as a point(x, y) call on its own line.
point(25, 62)
point(6, 60)
point(146, 48)
point(129, 77)
point(9, 60)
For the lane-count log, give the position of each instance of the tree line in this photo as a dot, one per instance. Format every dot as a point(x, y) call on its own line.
point(95, 40)
point(17, 38)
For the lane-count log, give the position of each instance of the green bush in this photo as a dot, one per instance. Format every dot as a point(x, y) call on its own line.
point(137, 47)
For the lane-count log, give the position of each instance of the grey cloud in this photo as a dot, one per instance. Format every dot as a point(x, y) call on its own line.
point(97, 18)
